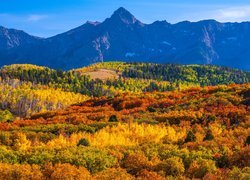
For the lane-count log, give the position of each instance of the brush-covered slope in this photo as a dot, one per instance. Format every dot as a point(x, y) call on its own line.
point(195, 133)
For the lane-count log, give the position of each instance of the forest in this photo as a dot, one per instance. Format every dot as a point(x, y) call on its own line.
point(151, 122)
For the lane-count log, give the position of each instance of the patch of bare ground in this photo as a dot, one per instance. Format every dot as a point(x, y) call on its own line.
point(102, 74)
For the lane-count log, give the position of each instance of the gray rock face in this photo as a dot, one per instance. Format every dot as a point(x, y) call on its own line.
point(123, 37)
point(11, 38)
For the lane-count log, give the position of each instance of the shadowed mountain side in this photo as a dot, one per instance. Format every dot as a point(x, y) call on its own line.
point(123, 37)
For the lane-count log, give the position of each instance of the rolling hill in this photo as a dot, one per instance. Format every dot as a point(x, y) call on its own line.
point(27, 89)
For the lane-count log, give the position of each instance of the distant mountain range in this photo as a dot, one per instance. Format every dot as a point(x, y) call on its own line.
point(123, 37)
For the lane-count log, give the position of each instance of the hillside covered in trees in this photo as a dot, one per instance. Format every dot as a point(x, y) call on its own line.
point(137, 121)
point(126, 77)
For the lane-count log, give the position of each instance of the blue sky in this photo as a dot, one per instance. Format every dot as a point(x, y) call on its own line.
point(49, 17)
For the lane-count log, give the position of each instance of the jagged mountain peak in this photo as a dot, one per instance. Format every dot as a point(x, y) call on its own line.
point(123, 15)
point(121, 10)
point(160, 23)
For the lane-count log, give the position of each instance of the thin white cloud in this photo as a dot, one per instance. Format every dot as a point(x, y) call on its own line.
point(36, 17)
point(220, 13)
point(14, 18)
point(241, 13)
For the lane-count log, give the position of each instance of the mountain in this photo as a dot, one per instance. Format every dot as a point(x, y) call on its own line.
point(11, 38)
point(123, 37)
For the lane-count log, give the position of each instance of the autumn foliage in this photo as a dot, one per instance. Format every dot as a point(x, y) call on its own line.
point(192, 133)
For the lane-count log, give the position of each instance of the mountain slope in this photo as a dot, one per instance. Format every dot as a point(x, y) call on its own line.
point(11, 38)
point(124, 37)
